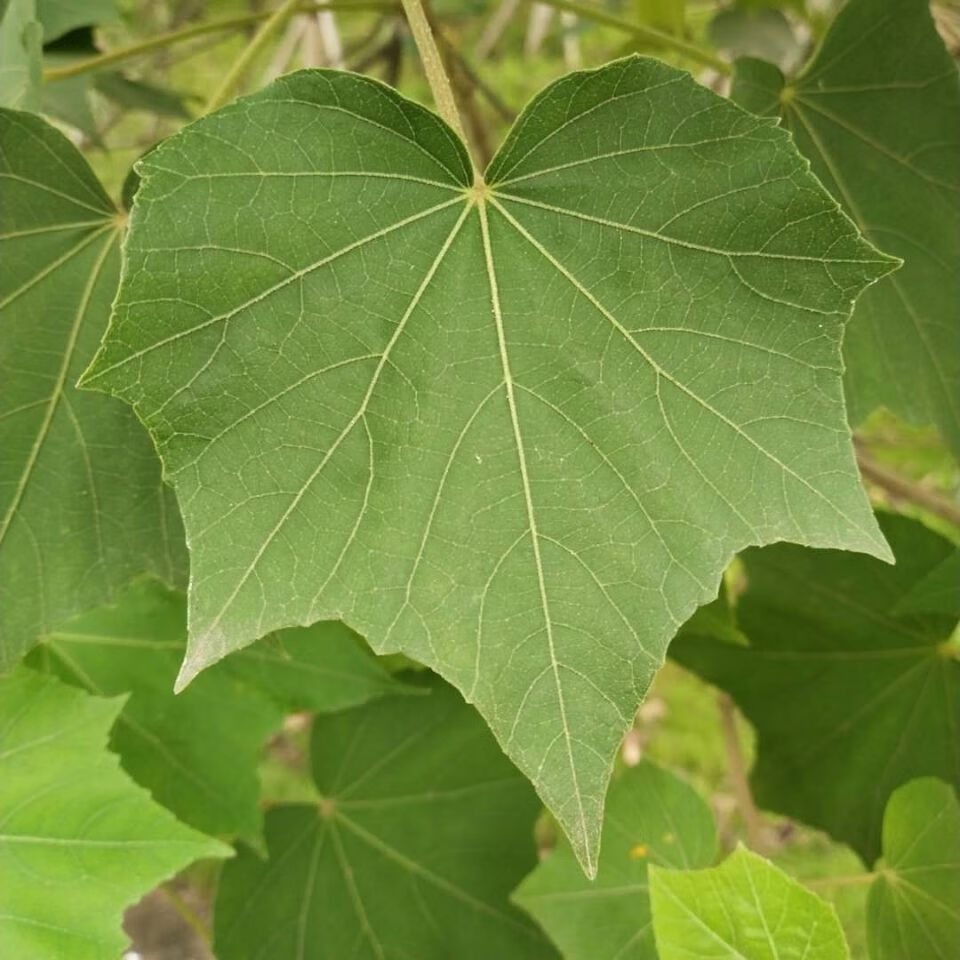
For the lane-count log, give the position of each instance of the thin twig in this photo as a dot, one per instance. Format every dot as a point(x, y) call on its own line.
point(752, 820)
point(902, 489)
point(690, 50)
point(492, 97)
point(163, 40)
point(186, 913)
point(264, 35)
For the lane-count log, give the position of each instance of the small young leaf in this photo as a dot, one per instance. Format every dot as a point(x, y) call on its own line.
point(423, 830)
point(850, 697)
point(745, 909)
point(82, 506)
point(912, 910)
point(514, 430)
point(198, 752)
point(877, 111)
point(651, 817)
point(78, 840)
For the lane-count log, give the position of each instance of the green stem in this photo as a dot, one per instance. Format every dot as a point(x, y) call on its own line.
point(163, 40)
point(690, 50)
point(264, 35)
point(187, 914)
point(433, 65)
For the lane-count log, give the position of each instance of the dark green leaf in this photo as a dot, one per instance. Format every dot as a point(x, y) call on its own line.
point(78, 840)
point(423, 829)
point(877, 111)
point(651, 817)
point(515, 432)
point(82, 506)
point(850, 698)
point(198, 752)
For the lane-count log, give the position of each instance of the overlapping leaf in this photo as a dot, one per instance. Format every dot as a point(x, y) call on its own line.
point(423, 830)
point(745, 909)
point(82, 506)
point(78, 840)
point(198, 752)
point(877, 111)
point(912, 909)
point(514, 429)
point(850, 697)
point(651, 817)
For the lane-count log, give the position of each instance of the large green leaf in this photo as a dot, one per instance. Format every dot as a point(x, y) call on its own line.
point(21, 37)
point(198, 752)
point(651, 817)
point(78, 840)
point(850, 697)
point(82, 506)
point(877, 111)
point(745, 909)
point(913, 912)
point(515, 431)
point(423, 829)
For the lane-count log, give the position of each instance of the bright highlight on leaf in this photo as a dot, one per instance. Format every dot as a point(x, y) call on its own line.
point(197, 752)
point(515, 429)
point(82, 506)
point(78, 840)
point(851, 696)
point(877, 111)
point(423, 830)
point(651, 817)
point(912, 909)
point(745, 909)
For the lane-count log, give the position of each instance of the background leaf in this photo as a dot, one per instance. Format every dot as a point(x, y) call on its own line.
point(423, 829)
point(745, 909)
point(912, 910)
point(850, 698)
point(59, 16)
point(82, 506)
point(198, 752)
point(516, 433)
point(20, 53)
point(78, 840)
point(651, 817)
point(877, 111)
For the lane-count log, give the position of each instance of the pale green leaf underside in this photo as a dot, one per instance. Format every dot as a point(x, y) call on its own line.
point(423, 830)
point(516, 434)
point(913, 911)
point(877, 111)
point(82, 506)
point(745, 909)
point(851, 694)
point(651, 817)
point(198, 752)
point(78, 840)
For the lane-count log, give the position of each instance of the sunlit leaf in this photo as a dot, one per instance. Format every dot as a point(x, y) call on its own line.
point(651, 817)
point(78, 840)
point(515, 431)
point(745, 909)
